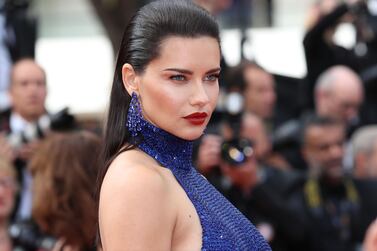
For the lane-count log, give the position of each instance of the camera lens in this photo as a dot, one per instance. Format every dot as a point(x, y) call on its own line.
point(237, 151)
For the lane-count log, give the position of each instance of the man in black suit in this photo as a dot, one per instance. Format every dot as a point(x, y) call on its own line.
point(324, 208)
point(23, 124)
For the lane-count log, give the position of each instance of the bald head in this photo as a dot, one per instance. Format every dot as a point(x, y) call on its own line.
point(28, 89)
point(364, 145)
point(338, 94)
point(23, 66)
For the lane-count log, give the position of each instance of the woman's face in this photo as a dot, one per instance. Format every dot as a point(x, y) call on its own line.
point(178, 90)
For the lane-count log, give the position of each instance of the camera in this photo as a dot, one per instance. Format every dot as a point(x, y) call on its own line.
point(366, 20)
point(236, 150)
point(26, 236)
point(13, 6)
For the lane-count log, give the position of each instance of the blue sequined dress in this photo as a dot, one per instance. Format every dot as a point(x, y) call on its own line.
point(224, 227)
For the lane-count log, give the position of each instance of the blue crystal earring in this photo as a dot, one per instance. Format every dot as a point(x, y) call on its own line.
point(135, 119)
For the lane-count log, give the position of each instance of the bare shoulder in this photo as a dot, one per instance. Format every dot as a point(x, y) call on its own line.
point(134, 200)
point(132, 169)
point(133, 178)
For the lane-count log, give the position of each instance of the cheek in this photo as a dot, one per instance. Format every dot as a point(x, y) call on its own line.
point(44, 93)
point(161, 99)
point(171, 97)
point(374, 162)
point(10, 198)
point(213, 94)
point(17, 94)
point(335, 106)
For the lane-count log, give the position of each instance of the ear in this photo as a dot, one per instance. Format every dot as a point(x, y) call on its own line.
point(360, 164)
point(130, 79)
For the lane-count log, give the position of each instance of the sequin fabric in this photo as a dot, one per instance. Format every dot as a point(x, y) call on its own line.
point(224, 227)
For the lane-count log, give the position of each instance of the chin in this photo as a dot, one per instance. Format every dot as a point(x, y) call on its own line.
point(335, 174)
point(185, 132)
point(191, 135)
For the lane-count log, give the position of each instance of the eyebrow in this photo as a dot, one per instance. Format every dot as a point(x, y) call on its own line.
point(184, 71)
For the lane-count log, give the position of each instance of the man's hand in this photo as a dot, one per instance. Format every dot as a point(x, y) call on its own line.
point(62, 246)
point(6, 150)
point(370, 241)
point(209, 155)
point(244, 176)
point(26, 151)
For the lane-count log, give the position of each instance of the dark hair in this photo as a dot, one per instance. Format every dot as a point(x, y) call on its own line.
point(316, 121)
point(252, 64)
point(234, 79)
point(141, 44)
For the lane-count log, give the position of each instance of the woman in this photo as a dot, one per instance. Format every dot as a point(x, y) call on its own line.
point(165, 89)
point(64, 170)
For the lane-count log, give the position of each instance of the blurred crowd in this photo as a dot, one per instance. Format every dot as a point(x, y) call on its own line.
point(297, 156)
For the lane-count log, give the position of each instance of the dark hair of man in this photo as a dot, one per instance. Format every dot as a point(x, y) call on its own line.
point(315, 121)
point(141, 43)
point(234, 79)
point(251, 64)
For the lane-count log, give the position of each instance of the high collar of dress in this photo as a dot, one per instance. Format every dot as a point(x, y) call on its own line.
point(169, 150)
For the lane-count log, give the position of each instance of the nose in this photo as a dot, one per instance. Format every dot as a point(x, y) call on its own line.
point(351, 113)
point(337, 151)
point(199, 95)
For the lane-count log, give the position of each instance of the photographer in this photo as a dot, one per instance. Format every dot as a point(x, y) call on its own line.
point(338, 95)
point(24, 125)
point(237, 179)
point(322, 52)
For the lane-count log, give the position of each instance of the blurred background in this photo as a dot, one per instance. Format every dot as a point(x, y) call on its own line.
point(292, 142)
point(69, 31)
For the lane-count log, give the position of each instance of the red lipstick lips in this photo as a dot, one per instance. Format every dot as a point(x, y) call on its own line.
point(197, 118)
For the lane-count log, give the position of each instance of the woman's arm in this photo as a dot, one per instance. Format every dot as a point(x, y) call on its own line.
point(136, 211)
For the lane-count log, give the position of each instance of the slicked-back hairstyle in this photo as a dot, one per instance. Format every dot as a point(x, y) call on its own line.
point(141, 43)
